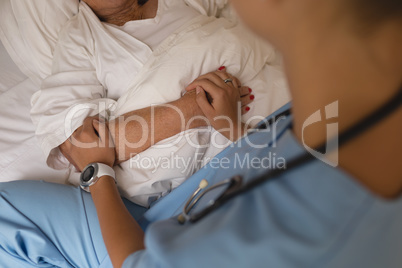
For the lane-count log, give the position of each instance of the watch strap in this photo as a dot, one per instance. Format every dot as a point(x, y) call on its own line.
point(105, 170)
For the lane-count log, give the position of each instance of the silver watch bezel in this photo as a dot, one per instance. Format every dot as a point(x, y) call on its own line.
point(98, 167)
point(84, 185)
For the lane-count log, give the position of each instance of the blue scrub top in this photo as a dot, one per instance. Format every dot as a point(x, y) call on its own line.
point(312, 216)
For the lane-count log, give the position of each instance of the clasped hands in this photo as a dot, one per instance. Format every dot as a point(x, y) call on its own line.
point(222, 103)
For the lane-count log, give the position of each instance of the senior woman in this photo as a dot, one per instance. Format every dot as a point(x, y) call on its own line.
point(343, 58)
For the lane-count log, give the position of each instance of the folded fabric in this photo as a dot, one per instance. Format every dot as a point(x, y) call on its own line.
point(100, 68)
point(29, 29)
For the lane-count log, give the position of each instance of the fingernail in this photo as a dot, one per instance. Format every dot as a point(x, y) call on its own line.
point(252, 97)
point(250, 90)
point(96, 121)
point(222, 68)
point(247, 109)
point(197, 90)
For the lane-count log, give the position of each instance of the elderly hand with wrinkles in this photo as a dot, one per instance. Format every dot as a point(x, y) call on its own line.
point(221, 102)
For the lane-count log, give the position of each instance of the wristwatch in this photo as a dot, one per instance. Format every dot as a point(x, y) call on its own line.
point(91, 174)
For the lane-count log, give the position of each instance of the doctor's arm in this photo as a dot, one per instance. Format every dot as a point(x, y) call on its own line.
point(121, 233)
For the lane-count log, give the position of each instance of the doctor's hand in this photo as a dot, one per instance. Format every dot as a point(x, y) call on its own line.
point(223, 102)
point(90, 143)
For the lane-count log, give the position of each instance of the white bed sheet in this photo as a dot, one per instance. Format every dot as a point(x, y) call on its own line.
point(20, 155)
point(10, 74)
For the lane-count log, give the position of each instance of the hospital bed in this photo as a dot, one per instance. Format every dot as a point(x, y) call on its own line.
point(28, 33)
point(20, 154)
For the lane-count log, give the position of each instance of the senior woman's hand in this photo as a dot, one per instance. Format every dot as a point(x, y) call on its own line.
point(223, 101)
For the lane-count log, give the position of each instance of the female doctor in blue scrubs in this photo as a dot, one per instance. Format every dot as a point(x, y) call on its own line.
point(333, 201)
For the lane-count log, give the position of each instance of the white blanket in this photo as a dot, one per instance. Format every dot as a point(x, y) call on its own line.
point(20, 155)
point(100, 66)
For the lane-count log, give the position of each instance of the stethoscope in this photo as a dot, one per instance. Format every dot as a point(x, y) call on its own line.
point(235, 186)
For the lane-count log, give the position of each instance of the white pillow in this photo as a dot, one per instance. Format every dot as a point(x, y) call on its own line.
point(29, 31)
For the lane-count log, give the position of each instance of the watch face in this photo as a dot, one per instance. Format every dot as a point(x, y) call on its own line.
point(88, 173)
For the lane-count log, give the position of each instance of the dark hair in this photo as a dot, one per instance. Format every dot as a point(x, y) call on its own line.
point(376, 11)
point(141, 2)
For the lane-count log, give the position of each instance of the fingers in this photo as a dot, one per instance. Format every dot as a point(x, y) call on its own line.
point(246, 100)
point(224, 75)
point(65, 149)
point(245, 109)
point(215, 77)
point(103, 133)
point(99, 130)
point(244, 91)
point(215, 86)
point(236, 82)
point(218, 78)
point(87, 126)
point(90, 143)
point(86, 136)
point(203, 102)
point(210, 88)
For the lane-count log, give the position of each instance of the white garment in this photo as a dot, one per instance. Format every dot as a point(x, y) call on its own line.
point(150, 32)
point(99, 66)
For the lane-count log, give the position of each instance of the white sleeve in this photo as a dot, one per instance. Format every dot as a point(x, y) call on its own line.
point(70, 94)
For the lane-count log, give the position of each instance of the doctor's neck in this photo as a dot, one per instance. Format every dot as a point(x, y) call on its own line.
point(361, 71)
point(118, 12)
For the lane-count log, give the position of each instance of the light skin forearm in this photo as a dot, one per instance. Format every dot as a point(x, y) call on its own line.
point(138, 130)
point(121, 233)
